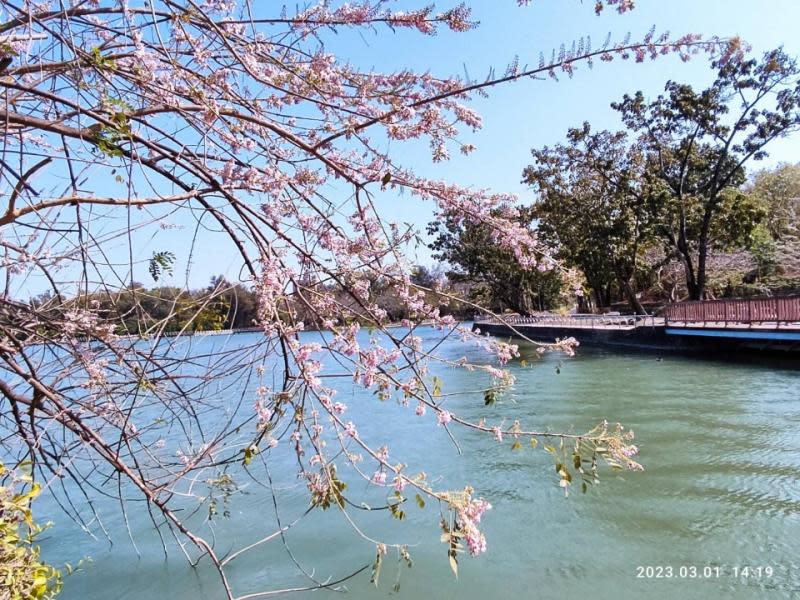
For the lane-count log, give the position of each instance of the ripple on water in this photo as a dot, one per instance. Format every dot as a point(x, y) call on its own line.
point(721, 448)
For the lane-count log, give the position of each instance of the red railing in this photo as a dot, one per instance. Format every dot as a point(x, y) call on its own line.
point(754, 310)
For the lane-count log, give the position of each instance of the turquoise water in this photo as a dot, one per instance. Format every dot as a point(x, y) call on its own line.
point(721, 446)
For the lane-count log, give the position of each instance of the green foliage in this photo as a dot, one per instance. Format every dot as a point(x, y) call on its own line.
point(7, 54)
point(497, 279)
point(739, 221)
point(580, 458)
point(673, 179)
point(221, 305)
point(101, 62)
point(108, 138)
point(221, 489)
point(698, 143)
point(249, 454)
point(211, 317)
point(394, 507)
point(763, 250)
point(226, 305)
point(779, 192)
point(452, 537)
point(437, 386)
point(161, 263)
point(596, 207)
point(137, 310)
point(22, 574)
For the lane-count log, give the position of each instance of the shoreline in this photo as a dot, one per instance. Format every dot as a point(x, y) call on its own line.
point(710, 342)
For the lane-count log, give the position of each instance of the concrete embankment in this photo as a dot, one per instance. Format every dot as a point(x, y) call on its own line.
point(712, 342)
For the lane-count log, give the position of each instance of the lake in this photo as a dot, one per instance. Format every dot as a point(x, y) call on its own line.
point(720, 443)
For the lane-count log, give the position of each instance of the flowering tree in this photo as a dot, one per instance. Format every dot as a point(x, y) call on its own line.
point(121, 119)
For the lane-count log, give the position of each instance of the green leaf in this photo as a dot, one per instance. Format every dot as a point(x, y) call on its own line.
point(420, 501)
point(161, 262)
point(396, 512)
point(437, 386)
point(249, 453)
point(576, 461)
point(376, 569)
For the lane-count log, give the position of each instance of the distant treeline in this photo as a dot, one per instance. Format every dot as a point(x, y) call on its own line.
point(139, 310)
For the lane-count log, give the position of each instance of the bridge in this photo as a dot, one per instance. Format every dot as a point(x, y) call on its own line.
point(762, 313)
point(713, 327)
point(765, 322)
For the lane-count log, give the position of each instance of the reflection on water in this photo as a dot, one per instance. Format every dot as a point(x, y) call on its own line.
point(721, 447)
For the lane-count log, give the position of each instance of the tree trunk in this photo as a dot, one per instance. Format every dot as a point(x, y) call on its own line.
point(691, 281)
point(700, 286)
point(525, 302)
point(598, 297)
point(630, 294)
point(682, 246)
point(702, 258)
point(624, 276)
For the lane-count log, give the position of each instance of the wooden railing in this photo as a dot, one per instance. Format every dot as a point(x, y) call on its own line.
point(752, 310)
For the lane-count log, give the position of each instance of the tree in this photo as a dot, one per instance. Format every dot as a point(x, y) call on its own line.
point(779, 190)
point(595, 207)
point(124, 121)
point(777, 249)
point(239, 303)
point(499, 279)
point(428, 277)
point(698, 144)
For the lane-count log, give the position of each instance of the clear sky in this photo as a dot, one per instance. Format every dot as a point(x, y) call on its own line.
point(530, 113)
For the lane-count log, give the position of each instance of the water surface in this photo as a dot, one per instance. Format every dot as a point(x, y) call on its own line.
point(721, 445)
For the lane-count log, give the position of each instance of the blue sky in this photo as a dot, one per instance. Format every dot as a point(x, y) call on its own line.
point(524, 114)
point(531, 113)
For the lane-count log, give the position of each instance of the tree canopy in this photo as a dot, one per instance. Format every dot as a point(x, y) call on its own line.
point(699, 142)
point(673, 179)
point(596, 207)
point(499, 280)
